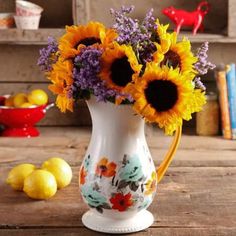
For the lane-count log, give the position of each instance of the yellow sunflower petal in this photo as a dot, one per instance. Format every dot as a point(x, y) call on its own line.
point(64, 103)
point(109, 37)
point(61, 78)
point(163, 36)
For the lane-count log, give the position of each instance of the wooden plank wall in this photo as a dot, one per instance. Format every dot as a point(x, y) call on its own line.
point(18, 70)
point(231, 18)
point(7, 6)
point(215, 21)
point(56, 13)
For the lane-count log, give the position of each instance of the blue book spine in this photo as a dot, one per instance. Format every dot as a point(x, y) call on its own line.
point(231, 84)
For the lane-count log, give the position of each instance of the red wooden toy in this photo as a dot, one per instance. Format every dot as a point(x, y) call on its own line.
point(185, 18)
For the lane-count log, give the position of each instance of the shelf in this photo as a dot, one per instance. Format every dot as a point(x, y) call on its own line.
point(39, 37)
point(211, 38)
point(28, 37)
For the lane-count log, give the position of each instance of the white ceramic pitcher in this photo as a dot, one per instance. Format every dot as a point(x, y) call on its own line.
point(118, 179)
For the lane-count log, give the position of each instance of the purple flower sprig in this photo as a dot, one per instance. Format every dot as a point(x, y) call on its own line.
point(87, 67)
point(149, 22)
point(48, 55)
point(132, 32)
point(198, 84)
point(203, 65)
point(126, 27)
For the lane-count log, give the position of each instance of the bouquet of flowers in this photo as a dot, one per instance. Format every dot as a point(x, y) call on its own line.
point(133, 62)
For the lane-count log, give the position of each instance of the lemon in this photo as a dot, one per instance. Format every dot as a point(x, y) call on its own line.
point(19, 99)
point(60, 169)
point(9, 102)
point(38, 97)
point(18, 174)
point(26, 105)
point(40, 184)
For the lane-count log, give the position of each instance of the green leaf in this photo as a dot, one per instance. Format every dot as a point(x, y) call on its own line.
point(99, 209)
point(123, 184)
point(134, 186)
point(106, 206)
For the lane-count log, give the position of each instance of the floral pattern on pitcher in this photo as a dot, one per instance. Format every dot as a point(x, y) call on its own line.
point(94, 198)
point(151, 184)
point(117, 186)
point(121, 202)
point(105, 168)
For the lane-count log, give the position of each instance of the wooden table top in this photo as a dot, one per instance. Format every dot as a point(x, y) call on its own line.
point(196, 197)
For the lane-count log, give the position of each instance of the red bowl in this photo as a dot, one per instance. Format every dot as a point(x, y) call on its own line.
point(20, 122)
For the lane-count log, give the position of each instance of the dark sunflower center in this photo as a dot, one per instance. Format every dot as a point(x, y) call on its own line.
point(156, 38)
point(89, 41)
point(161, 94)
point(121, 72)
point(171, 59)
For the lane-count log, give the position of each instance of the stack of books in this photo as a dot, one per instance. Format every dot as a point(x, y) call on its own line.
point(226, 83)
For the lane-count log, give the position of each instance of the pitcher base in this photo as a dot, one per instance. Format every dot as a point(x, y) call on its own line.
point(140, 221)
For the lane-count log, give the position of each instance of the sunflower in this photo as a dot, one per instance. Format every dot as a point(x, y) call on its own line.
point(61, 78)
point(165, 96)
point(178, 55)
point(119, 64)
point(81, 36)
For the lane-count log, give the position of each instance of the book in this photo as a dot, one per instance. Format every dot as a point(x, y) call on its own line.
point(224, 104)
point(231, 85)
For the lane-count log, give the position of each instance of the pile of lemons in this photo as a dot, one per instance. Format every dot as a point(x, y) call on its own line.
point(55, 173)
point(36, 97)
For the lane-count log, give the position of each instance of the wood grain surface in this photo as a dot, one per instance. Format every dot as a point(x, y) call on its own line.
point(196, 197)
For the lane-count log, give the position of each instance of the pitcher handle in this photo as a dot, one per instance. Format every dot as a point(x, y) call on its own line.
point(170, 154)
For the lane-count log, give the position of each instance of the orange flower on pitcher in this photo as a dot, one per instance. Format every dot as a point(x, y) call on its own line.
point(82, 176)
point(105, 168)
point(151, 185)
